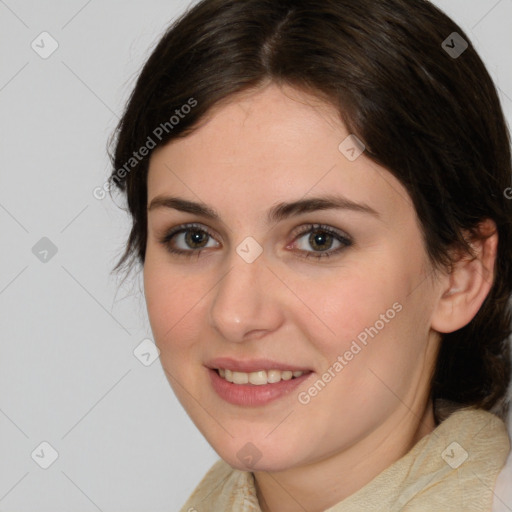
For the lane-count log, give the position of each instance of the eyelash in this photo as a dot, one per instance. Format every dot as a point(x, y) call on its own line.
point(184, 228)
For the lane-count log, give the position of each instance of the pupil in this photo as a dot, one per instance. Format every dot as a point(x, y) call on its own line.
point(318, 239)
point(196, 237)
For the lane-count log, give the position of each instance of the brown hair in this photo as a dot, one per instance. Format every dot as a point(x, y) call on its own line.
point(433, 119)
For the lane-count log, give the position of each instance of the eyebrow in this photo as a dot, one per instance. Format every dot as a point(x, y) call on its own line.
point(277, 213)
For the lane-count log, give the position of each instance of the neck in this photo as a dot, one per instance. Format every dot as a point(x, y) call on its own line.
point(320, 485)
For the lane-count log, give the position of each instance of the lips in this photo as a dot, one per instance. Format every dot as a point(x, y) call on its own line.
point(251, 395)
point(255, 382)
point(253, 365)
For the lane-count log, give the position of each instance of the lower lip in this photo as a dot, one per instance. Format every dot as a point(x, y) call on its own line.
point(252, 395)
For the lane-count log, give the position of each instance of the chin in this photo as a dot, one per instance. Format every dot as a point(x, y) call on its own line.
point(251, 457)
point(267, 466)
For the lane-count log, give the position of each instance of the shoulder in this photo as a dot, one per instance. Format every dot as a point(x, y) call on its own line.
point(451, 469)
point(479, 428)
point(461, 460)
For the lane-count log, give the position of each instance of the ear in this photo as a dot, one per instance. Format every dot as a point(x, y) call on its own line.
point(464, 289)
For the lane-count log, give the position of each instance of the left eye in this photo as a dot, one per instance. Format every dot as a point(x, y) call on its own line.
point(321, 239)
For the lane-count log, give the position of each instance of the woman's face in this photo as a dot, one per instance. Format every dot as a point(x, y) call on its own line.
point(253, 291)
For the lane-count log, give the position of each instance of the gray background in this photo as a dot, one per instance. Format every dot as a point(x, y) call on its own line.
point(68, 374)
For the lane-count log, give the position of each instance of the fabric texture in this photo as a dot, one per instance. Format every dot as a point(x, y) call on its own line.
point(454, 468)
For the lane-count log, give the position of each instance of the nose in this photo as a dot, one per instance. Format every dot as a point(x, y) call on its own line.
point(245, 302)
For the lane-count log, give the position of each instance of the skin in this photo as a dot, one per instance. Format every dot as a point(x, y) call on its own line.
point(273, 145)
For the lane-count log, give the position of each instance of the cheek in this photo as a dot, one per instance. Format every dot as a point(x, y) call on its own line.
point(357, 306)
point(171, 302)
point(385, 353)
point(378, 326)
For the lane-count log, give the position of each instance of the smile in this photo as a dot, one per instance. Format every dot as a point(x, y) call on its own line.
point(257, 388)
point(258, 378)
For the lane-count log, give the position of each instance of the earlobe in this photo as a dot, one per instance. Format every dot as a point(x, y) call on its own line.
point(465, 288)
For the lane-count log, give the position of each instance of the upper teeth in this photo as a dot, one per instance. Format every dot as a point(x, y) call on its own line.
point(258, 378)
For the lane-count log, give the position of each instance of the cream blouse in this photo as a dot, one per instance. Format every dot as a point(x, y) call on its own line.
point(452, 469)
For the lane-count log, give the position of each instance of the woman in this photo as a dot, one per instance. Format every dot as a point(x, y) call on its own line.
point(319, 206)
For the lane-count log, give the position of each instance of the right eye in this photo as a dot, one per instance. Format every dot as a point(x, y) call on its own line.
point(193, 239)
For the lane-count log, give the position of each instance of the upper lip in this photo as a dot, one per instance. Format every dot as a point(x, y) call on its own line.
point(252, 365)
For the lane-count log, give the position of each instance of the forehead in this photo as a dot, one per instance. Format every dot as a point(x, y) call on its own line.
point(273, 145)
